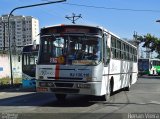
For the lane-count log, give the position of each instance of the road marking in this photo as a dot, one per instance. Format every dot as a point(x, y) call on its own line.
point(2, 93)
point(144, 92)
point(154, 102)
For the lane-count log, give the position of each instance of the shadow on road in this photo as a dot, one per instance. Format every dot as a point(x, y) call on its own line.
point(32, 99)
point(42, 99)
point(28, 97)
point(80, 101)
point(18, 89)
point(72, 101)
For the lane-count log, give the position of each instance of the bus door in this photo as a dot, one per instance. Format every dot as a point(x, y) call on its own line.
point(106, 60)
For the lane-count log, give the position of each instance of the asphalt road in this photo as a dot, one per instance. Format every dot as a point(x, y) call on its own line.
point(142, 101)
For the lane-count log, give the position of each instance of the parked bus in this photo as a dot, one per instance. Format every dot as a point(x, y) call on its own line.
point(29, 58)
point(148, 66)
point(81, 59)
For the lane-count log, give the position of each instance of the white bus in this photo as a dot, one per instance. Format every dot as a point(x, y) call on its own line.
point(29, 58)
point(88, 60)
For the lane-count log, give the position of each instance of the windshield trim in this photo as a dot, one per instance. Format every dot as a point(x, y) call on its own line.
point(72, 34)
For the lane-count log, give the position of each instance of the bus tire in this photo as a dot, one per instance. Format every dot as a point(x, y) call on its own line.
point(107, 96)
point(129, 84)
point(60, 97)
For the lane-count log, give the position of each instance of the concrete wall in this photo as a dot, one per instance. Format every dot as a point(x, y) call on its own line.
point(5, 66)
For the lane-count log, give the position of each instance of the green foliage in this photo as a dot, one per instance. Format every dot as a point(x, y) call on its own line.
point(5, 80)
point(151, 42)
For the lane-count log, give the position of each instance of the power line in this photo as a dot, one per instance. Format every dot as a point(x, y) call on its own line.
point(113, 8)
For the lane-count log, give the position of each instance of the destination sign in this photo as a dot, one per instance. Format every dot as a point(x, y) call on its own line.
point(76, 30)
point(70, 29)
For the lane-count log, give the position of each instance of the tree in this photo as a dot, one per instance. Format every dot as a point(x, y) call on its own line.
point(151, 42)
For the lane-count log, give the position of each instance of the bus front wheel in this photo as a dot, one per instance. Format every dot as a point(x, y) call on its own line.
point(60, 97)
point(129, 85)
point(106, 97)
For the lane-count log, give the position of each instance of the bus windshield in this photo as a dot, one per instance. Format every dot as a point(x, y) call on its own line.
point(70, 49)
point(143, 64)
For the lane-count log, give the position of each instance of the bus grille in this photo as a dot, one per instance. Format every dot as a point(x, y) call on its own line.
point(65, 78)
point(64, 90)
point(64, 85)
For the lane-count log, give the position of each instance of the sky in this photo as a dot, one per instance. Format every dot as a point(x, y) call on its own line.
point(124, 17)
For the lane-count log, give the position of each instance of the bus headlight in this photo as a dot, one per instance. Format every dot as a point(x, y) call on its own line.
point(42, 84)
point(46, 84)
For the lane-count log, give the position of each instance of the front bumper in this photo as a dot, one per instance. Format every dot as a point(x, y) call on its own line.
point(63, 87)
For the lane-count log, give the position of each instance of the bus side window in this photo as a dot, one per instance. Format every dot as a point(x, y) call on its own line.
point(108, 55)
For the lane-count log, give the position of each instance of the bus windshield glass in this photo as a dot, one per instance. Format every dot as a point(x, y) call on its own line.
point(29, 63)
point(70, 49)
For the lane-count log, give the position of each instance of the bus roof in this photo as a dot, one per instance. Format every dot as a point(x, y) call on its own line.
point(30, 47)
point(92, 26)
point(82, 25)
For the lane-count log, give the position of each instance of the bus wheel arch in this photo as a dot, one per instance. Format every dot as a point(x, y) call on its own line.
point(109, 90)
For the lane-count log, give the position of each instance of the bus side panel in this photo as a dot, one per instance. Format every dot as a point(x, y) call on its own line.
point(121, 72)
point(114, 73)
point(105, 81)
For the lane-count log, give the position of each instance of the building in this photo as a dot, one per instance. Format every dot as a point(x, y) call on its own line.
point(23, 30)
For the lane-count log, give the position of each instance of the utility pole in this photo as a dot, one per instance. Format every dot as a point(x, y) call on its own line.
point(74, 17)
point(135, 36)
